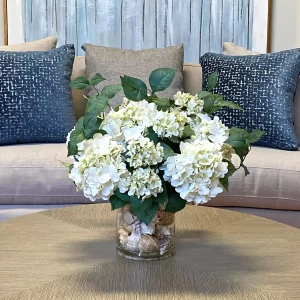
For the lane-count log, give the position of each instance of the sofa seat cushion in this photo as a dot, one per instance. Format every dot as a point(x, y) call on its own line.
point(32, 174)
point(273, 181)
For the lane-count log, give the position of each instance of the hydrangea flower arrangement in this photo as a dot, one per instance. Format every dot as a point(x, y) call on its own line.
point(151, 152)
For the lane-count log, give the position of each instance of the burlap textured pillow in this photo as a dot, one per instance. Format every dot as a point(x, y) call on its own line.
point(46, 44)
point(113, 63)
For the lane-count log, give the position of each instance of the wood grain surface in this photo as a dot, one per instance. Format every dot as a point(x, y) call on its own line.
point(70, 254)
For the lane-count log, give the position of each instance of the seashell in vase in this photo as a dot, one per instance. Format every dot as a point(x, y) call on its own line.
point(148, 244)
point(148, 229)
point(123, 232)
point(129, 218)
point(163, 206)
point(166, 218)
point(162, 231)
point(137, 227)
point(129, 228)
point(164, 244)
point(132, 243)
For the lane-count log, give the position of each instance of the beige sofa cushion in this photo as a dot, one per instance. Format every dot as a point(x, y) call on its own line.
point(234, 50)
point(192, 81)
point(32, 174)
point(40, 45)
point(273, 181)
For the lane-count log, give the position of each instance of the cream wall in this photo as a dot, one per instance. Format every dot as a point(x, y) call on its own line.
point(1, 23)
point(285, 24)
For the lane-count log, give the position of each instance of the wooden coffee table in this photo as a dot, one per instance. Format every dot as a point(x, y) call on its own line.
point(70, 253)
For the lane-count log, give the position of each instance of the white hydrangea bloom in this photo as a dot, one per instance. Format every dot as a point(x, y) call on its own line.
point(99, 168)
point(168, 124)
point(130, 114)
point(192, 104)
point(211, 129)
point(195, 173)
point(145, 183)
point(143, 152)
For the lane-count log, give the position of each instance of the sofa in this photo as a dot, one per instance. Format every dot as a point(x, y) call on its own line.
point(32, 178)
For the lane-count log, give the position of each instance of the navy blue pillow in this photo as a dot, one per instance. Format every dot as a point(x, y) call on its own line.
point(264, 86)
point(35, 96)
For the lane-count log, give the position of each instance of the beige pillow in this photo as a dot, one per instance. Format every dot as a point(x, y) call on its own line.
point(234, 50)
point(112, 63)
point(40, 45)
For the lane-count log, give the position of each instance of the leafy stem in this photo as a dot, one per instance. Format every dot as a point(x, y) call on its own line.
point(96, 90)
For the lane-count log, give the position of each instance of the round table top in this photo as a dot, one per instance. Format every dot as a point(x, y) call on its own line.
point(70, 253)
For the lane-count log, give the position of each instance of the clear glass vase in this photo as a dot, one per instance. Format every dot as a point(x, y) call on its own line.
point(138, 241)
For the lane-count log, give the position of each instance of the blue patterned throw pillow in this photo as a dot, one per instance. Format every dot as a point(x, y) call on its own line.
point(264, 86)
point(35, 96)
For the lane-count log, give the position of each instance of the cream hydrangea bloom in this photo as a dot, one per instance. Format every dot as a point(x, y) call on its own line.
point(145, 183)
point(99, 168)
point(168, 124)
point(192, 104)
point(130, 114)
point(228, 151)
point(195, 173)
point(143, 152)
point(212, 129)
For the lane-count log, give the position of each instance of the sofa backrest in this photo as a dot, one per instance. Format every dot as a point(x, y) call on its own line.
point(192, 76)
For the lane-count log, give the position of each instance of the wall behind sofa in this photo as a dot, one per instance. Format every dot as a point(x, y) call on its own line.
point(285, 24)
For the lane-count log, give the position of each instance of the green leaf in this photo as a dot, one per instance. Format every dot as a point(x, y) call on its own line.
point(116, 202)
point(110, 91)
point(188, 132)
point(238, 137)
point(145, 210)
point(229, 104)
point(97, 104)
point(96, 79)
point(162, 198)
point(122, 196)
point(212, 81)
point(242, 152)
point(80, 83)
point(168, 151)
point(231, 170)
point(90, 119)
point(161, 79)
point(134, 89)
point(208, 103)
point(67, 165)
point(203, 94)
point(162, 102)
point(90, 131)
point(79, 124)
point(71, 168)
point(246, 170)
point(153, 137)
point(76, 137)
point(225, 182)
point(174, 139)
point(255, 136)
point(175, 202)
